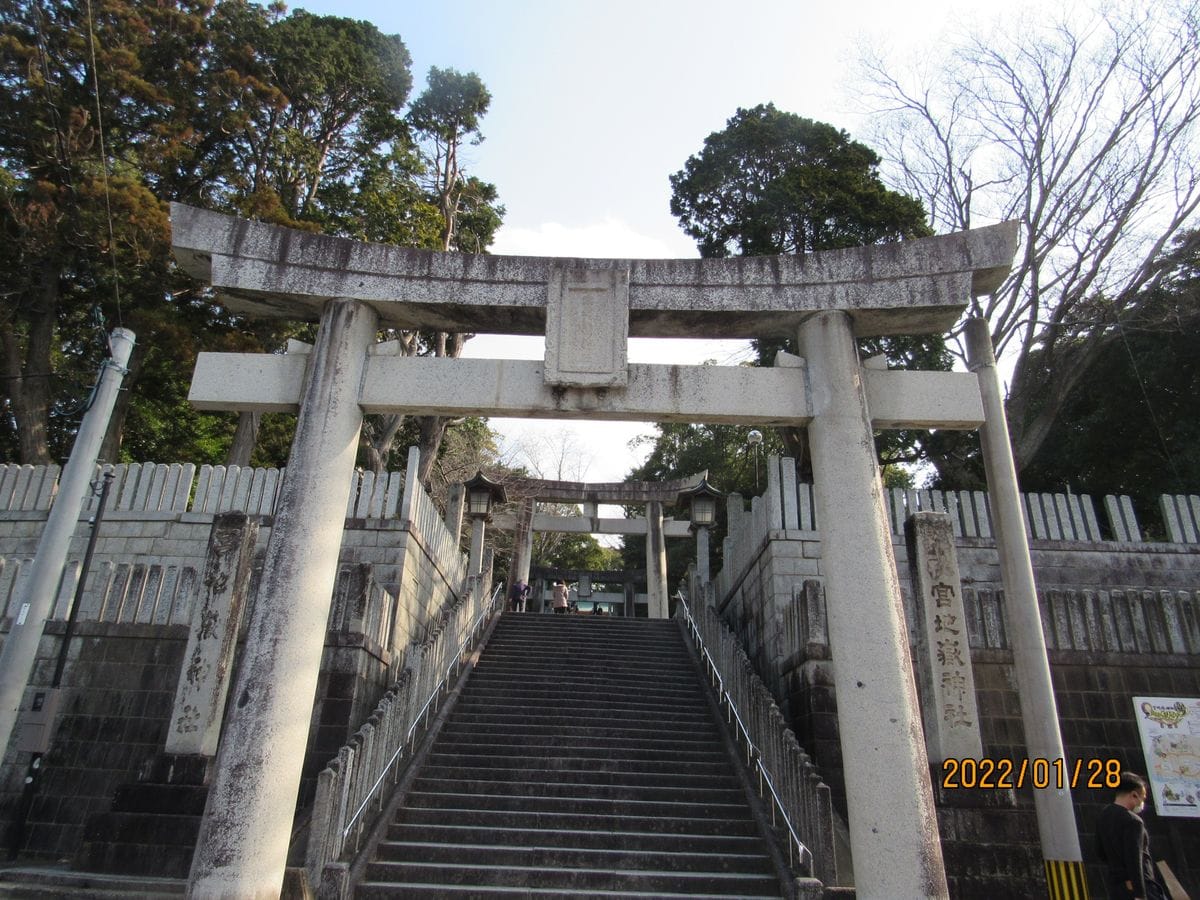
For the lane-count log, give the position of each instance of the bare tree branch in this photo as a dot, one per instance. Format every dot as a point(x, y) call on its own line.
point(1083, 130)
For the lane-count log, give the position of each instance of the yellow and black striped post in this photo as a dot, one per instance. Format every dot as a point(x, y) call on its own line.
point(1066, 880)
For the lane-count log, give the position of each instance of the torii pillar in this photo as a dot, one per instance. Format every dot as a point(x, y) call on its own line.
point(244, 836)
point(522, 557)
point(879, 718)
point(656, 562)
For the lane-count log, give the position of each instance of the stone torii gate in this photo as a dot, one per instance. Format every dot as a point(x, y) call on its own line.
point(587, 309)
point(655, 495)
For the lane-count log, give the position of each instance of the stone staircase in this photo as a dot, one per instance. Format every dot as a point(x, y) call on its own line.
point(582, 758)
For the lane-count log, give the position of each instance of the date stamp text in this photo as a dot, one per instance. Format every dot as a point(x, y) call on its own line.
point(1001, 773)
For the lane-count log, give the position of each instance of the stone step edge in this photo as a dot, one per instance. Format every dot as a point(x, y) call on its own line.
point(648, 731)
point(489, 773)
point(54, 877)
point(534, 870)
point(630, 809)
point(459, 890)
point(583, 790)
point(589, 833)
point(546, 814)
point(630, 753)
point(527, 849)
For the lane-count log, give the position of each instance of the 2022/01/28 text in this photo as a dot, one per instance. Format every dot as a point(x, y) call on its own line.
point(1003, 773)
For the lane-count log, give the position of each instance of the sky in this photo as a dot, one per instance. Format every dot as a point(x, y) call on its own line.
point(595, 104)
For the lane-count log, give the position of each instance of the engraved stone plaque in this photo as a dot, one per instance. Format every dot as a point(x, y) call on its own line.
point(587, 327)
point(946, 680)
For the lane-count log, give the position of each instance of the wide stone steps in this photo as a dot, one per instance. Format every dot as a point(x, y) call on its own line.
point(581, 759)
point(585, 776)
point(576, 788)
point(592, 682)
point(474, 816)
point(557, 735)
point(587, 695)
point(568, 661)
point(652, 766)
point(497, 713)
point(542, 803)
point(449, 892)
point(570, 857)
point(426, 834)
point(556, 714)
point(550, 753)
point(486, 874)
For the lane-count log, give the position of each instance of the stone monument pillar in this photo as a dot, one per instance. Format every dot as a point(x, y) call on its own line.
point(456, 500)
point(243, 844)
point(208, 661)
point(947, 682)
point(703, 567)
point(893, 825)
point(523, 540)
point(36, 601)
point(475, 557)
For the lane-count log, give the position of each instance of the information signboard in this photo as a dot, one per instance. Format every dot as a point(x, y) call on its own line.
point(1170, 730)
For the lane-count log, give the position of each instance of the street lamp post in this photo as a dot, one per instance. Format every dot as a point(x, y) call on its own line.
point(755, 439)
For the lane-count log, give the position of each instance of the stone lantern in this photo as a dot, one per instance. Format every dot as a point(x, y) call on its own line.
point(701, 501)
point(482, 494)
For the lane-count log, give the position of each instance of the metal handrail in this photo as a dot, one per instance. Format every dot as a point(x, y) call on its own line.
point(456, 666)
point(753, 754)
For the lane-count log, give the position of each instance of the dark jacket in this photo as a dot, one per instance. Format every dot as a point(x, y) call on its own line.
point(1123, 845)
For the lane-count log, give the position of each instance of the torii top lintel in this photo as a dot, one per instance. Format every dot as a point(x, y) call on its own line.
point(910, 287)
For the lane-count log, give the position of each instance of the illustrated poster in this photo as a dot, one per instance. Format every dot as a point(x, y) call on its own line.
point(1170, 730)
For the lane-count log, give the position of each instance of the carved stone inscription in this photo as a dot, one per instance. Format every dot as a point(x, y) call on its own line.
point(204, 681)
point(943, 659)
point(587, 327)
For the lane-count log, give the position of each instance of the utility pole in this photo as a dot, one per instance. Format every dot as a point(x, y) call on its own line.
point(37, 599)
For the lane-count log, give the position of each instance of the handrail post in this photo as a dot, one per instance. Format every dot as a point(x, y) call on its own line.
point(346, 782)
point(754, 755)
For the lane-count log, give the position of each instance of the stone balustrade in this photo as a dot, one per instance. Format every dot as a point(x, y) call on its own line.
point(354, 788)
point(803, 796)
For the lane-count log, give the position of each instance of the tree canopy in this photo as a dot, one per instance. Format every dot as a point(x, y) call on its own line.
point(773, 182)
point(111, 109)
point(1133, 426)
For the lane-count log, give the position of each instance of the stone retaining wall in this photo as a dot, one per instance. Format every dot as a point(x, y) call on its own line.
point(1121, 619)
point(399, 566)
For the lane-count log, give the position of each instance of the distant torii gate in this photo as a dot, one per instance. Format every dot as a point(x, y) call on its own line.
point(587, 309)
point(655, 495)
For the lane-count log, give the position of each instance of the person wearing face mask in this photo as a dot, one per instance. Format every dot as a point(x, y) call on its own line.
point(1123, 845)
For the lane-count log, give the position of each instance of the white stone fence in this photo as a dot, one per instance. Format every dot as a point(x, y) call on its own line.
point(794, 781)
point(354, 788)
point(1115, 621)
point(160, 514)
point(182, 487)
point(424, 520)
point(787, 505)
point(1181, 512)
point(1049, 516)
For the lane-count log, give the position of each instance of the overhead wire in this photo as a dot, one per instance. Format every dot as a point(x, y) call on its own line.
point(112, 240)
point(1137, 375)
